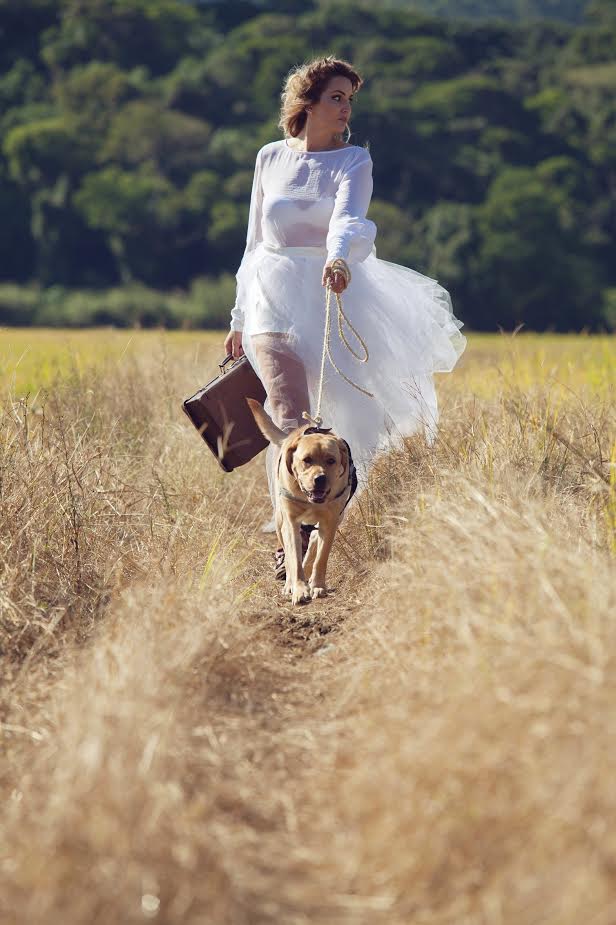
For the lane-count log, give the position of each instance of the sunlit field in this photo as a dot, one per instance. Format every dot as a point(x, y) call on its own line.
point(33, 358)
point(432, 743)
point(560, 363)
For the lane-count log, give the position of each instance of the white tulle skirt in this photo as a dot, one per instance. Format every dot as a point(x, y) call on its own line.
point(405, 319)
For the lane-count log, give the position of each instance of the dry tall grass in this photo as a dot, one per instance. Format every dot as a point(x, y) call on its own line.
point(434, 743)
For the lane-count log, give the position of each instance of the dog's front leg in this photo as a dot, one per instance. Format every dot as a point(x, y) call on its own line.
point(300, 592)
point(327, 532)
point(310, 555)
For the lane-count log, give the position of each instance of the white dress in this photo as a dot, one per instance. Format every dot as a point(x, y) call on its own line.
point(307, 208)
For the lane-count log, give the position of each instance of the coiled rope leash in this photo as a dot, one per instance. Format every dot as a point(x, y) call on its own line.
point(341, 266)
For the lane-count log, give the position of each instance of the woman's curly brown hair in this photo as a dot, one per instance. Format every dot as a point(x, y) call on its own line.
point(305, 84)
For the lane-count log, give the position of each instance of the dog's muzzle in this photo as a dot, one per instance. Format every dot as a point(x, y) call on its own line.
point(317, 495)
point(319, 491)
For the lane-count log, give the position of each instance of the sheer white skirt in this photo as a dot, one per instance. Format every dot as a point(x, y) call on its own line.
point(405, 318)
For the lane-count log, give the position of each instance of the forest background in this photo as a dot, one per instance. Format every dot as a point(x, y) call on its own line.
point(129, 130)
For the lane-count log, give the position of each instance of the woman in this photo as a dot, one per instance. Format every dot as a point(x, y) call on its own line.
point(307, 226)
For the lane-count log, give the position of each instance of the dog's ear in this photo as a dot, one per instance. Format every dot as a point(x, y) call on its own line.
point(344, 455)
point(265, 423)
point(290, 452)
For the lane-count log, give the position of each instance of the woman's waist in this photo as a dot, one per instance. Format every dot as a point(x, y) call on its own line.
point(307, 250)
point(297, 251)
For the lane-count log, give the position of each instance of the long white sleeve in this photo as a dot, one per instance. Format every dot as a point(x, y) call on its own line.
point(351, 235)
point(253, 236)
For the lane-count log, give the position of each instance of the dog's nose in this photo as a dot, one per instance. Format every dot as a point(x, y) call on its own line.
point(320, 481)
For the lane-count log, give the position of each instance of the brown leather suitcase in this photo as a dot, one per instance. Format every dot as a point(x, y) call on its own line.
point(221, 414)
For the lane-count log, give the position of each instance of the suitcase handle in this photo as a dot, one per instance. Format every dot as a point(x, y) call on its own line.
point(221, 366)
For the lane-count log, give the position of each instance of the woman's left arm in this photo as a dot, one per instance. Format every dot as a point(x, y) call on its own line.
point(351, 235)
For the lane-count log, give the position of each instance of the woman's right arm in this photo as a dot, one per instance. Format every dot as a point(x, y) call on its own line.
point(253, 237)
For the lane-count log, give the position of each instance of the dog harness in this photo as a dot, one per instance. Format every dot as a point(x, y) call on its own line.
point(352, 480)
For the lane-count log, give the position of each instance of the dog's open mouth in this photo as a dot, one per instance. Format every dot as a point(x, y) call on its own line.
point(318, 495)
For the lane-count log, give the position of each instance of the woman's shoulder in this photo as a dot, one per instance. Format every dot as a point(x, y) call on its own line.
point(362, 152)
point(359, 152)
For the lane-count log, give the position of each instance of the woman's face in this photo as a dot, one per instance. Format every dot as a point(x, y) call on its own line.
point(333, 111)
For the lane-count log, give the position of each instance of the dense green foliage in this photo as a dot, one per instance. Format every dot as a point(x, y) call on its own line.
point(129, 130)
point(514, 10)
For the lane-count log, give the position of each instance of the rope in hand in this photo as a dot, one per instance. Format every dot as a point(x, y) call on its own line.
point(340, 266)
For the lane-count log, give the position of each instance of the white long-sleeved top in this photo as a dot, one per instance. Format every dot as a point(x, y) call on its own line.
point(308, 198)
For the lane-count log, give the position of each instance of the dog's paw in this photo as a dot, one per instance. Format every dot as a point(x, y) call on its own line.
point(319, 592)
point(301, 593)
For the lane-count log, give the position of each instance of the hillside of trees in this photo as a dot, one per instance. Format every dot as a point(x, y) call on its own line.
point(129, 130)
point(571, 11)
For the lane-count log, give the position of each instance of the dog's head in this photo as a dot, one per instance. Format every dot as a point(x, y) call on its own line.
point(319, 463)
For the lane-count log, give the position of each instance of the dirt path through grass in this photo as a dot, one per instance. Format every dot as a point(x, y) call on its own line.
point(430, 744)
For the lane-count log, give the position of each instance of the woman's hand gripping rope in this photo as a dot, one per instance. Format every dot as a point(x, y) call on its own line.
point(337, 268)
point(336, 273)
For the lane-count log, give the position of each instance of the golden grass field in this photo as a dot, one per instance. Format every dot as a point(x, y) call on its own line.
point(432, 743)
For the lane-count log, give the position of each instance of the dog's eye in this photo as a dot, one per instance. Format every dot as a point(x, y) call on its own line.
point(307, 460)
point(331, 461)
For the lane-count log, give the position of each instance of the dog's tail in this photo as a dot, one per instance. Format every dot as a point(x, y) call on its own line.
point(265, 423)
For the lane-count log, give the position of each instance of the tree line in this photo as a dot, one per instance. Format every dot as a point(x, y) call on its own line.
point(129, 130)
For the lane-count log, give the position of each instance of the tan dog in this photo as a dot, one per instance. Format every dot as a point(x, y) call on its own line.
point(315, 479)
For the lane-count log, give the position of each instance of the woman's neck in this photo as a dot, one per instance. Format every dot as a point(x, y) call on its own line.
point(317, 143)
